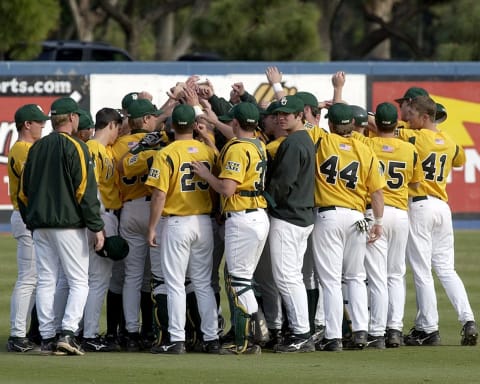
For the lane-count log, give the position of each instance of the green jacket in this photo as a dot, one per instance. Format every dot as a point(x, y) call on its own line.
point(58, 187)
point(292, 179)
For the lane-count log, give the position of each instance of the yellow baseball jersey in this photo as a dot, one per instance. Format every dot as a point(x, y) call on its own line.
point(241, 161)
point(272, 146)
point(131, 187)
point(438, 153)
point(105, 173)
point(16, 160)
point(401, 166)
point(316, 133)
point(347, 171)
point(171, 172)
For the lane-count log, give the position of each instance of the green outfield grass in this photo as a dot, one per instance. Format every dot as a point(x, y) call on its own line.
point(449, 363)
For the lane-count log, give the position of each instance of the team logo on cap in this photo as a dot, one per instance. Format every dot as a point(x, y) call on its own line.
point(284, 101)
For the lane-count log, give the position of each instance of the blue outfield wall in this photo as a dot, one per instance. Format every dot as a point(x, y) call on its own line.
point(375, 68)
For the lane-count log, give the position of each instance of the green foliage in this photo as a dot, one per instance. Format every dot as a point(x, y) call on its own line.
point(25, 23)
point(458, 35)
point(260, 30)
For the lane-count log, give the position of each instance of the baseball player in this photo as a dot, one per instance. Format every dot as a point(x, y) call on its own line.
point(240, 183)
point(385, 260)
point(107, 124)
point(86, 126)
point(185, 236)
point(347, 171)
point(430, 242)
point(30, 121)
point(58, 201)
point(291, 185)
point(142, 118)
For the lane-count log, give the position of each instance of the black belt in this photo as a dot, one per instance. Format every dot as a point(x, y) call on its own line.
point(329, 208)
point(114, 211)
point(250, 210)
point(369, 206)
point(419, 198)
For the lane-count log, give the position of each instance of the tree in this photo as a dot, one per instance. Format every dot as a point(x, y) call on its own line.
point(457, 33)
point(86, 17)
point(358, 27)
point(24, 23)
point(136, 18)
point(260, 30)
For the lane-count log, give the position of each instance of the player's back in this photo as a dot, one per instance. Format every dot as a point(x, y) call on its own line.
point(401, 166)
point(172, 173)
point(346, 171)
point(130, 187)
point(241, 161)
point(438, 153)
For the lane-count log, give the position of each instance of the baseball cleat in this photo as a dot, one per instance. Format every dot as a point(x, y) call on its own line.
point(394, 338)
point(96, 344)
point(329, 345)
point(359, 339)
point(319, 333)
point(49, 347)
point(19, 344)
point(376, 342)
point(211, 346)
point(172, 348)
point(133, 342)
point(421, 338)
point(68, 343)
point(469, 333)
point(295, 344)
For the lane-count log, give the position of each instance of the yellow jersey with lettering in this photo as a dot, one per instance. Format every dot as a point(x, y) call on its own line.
point(401, 166)
point(347, 172)
point(16, 160)
point(105, 174)
point(241, 161)
point(272, 146)
point(438, 153)
point(132, 187)
point(171, 172)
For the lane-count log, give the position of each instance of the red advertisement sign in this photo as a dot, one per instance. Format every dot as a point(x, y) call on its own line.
point(20, 90)
point(462, 102)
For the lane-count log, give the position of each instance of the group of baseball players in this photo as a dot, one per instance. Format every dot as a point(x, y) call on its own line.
point(141, 204)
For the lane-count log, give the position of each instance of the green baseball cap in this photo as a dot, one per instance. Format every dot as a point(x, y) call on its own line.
point(340, 114)
point(115, 248)
point(30, 112)
point(142, 107)
point(386, 114)
point(128, 98)
point(64, 106)
point(183, 114)
point(412, 93)
point(85, 121)
point(360, 116)
point(441, 114)
point(245, 113)
point(308, 99)
point(290, 104)
point(270, 110)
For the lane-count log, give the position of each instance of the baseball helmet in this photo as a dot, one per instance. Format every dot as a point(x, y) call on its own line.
point(360, 115)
